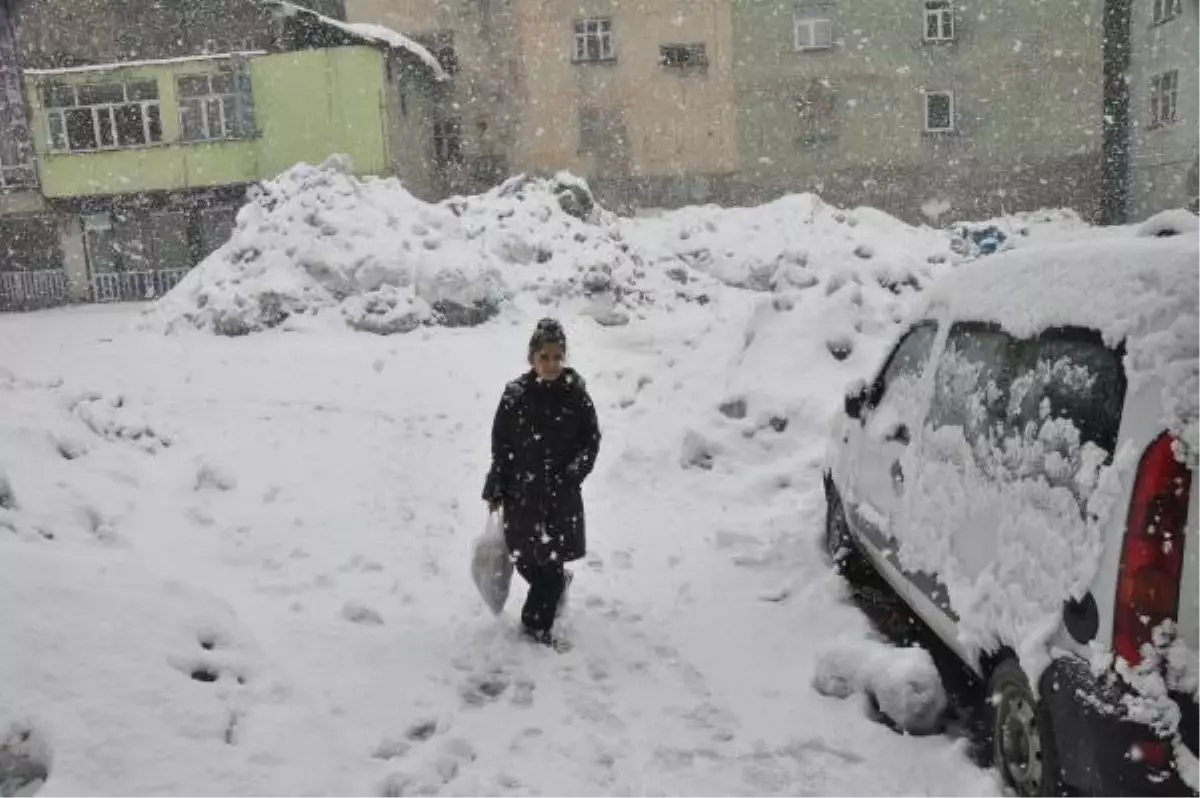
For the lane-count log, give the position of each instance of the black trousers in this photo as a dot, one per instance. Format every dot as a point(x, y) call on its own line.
point(546, 584)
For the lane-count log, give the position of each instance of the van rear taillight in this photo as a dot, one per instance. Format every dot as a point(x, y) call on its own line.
point(1152, 554)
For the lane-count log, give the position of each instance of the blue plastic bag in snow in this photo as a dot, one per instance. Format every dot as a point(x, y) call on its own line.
point(491, 565)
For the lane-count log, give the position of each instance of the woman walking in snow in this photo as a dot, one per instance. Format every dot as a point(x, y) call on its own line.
point(545, 439)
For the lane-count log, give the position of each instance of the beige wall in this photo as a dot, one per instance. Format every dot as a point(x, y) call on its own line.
point(488, 79)
point(665, 122)
point(520, 96)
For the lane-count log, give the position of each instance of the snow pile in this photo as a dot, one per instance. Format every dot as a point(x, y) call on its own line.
point(903, 682)
point(794, 242)
point(317, 240)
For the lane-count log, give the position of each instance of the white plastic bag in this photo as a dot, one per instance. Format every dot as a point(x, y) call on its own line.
point(491, 566)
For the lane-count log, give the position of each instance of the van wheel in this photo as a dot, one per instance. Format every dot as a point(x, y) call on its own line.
point(1022, 733)
point(839, 546)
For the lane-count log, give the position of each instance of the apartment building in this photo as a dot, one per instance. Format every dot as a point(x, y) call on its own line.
point(636, 95)
point(1164, 109)
point(475, 43)
point(142, 164)
point(929, 109)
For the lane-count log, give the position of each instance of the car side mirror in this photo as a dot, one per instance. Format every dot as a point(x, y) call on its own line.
point(858, 398)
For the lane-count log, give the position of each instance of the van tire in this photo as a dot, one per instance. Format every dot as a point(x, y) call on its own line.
point(1021, 732)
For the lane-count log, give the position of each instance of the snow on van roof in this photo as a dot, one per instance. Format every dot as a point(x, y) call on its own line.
point(1139, 289)
point(1116, 286)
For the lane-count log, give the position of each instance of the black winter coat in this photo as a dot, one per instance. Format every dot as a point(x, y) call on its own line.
point(545, 439)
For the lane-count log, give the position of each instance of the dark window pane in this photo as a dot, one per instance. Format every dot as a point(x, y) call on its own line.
point(939, 111)
point(104, 123)
point(154, 121)
point(193, 86)
point(229, 107)
point(58, 133)
point(56, 95)
point(912, 354)
point(101, 94)
point(222, 83)
point(1073, 378)
point(81, 132)
point(130, 129)
point(190, 120)
point(143, 90)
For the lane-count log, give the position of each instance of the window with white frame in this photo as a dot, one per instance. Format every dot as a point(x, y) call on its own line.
point(594, 40)
point(1165, 10)
point(812, 29)
point(939, 111)
point(102, 116)
point(939, 21)
point(1164, 96)
point(210, 107)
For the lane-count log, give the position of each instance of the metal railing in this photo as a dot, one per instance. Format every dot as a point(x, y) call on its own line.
point(31, 290)
point(134, 286)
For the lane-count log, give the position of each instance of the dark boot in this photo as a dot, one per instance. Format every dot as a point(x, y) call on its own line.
point(546, 583)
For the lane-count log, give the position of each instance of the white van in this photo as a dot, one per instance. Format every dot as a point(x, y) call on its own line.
point(1021, 472)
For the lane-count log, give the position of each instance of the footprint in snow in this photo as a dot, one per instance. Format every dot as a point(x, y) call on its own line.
point(480, 690)
point(355, 612)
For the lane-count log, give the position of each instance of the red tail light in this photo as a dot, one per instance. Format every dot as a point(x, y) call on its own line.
point(1152, 555)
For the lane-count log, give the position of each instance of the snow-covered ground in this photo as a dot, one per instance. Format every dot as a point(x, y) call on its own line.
point(242, 564)
point(292, 514)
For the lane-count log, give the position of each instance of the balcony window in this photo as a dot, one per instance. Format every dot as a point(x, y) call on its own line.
point(102, 116)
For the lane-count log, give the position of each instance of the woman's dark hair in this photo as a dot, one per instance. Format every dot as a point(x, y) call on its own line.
point(548, 331)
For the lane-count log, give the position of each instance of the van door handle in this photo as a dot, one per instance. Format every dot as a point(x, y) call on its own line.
point(898, 434)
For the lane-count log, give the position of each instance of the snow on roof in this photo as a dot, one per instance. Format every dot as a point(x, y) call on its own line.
point(371, 32)
point(144, 63)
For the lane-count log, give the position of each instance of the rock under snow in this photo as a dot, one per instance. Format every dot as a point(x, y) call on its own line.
point(903, 681)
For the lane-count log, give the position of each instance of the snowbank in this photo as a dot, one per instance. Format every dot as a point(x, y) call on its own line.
point(794, 242)
point(903, 681)
point(317, 241)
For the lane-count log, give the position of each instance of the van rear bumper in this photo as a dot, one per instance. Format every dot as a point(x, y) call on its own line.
point(1098, 745)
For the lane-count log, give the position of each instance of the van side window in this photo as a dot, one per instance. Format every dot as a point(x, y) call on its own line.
point(1069, 386)
point(910, 355)
point(1041, 408)
point(971, 383)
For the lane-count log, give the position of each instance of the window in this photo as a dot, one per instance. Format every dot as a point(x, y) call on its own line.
point(910, 355)
point(1164, 94)
point(683, 56)
point(812, 29)
point(99, 243)
point(447, 142)
point(939, 21)
point(212, 108)
point(441, 46)
point(816, 113)
point(1034, 407)
point(102, 116)
point(1165, 10)
point(939, 111)
point(594, 40)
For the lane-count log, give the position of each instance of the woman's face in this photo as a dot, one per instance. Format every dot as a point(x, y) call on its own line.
point(547, 362)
